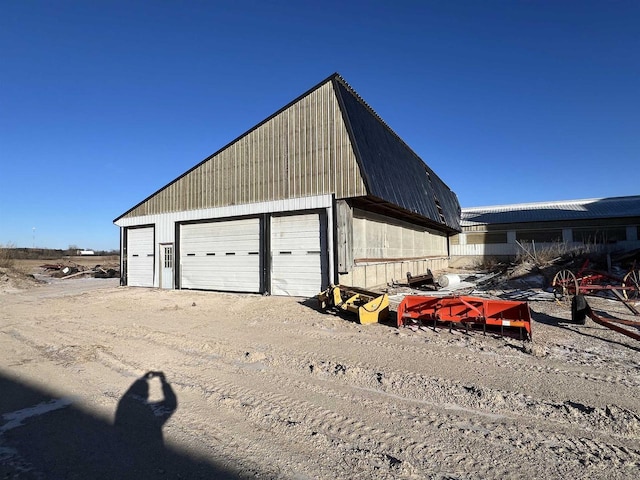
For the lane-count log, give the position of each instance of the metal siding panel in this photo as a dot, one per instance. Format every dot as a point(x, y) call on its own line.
point(288, 142)
point(296, 254)
point(140, 256)
point(289, 205)
point(377, 237)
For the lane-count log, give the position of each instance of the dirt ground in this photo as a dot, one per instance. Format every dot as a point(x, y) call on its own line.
point(268, 387)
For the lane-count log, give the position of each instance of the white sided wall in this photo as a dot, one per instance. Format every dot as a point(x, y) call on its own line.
point(377, 237)
point(165, 223)
point(372, 249)
point(371, 275)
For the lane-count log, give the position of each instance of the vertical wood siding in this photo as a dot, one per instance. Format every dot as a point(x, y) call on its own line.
point(305, 150)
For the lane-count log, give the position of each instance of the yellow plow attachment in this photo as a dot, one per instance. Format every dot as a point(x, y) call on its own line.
point(370, 307)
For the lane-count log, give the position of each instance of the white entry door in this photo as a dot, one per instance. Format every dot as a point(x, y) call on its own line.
point(166, 271)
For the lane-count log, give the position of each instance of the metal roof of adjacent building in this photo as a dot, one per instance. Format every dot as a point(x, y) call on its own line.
point(588, 209)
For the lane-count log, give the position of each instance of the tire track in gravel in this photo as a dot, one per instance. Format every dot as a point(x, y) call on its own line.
point(338, 427)
point(433, 422)
point(484, 355)
point(403, 383)
point(374, 442)
point(582, 448)
point(591, 357)
point(507, 362)
point(410, 385)
point(278, 414)
point(331, 424)
point(63, 353)
point(127, 367)
point(282, 414)
point(501, 431)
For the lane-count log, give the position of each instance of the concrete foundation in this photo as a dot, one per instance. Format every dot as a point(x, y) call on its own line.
point(371, 275)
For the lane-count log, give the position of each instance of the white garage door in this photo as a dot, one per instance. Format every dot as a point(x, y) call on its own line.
point(140, 257)
point(221, 255)
point(296, 265)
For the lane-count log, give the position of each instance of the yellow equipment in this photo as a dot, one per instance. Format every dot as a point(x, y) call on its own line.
point(370, 307)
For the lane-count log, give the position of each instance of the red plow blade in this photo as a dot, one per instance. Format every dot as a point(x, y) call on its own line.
point(507, 316)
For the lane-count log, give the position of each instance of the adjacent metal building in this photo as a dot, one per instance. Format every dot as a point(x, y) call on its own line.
point(501, 231)
point(322, 191)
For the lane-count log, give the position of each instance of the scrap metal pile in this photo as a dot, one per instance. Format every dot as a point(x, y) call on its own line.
point(74, 270)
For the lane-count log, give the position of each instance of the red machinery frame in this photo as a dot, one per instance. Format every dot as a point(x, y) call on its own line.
point(580, 309)
point(589, 281)
point(468, 311)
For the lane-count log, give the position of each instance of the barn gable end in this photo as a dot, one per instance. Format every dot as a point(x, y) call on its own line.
point(302, 150)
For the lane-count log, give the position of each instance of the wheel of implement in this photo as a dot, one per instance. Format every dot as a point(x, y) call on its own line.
point(564, 284)
point(631, 284)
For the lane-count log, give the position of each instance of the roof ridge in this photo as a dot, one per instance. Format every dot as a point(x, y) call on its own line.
point(358, 97)
point(550, 203)
point(341, 79)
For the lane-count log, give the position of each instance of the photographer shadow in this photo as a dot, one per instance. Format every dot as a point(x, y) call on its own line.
point(138, 425)
point(138, 421)
point(43, 436)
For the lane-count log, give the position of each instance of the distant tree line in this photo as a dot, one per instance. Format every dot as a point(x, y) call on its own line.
point(47, 253)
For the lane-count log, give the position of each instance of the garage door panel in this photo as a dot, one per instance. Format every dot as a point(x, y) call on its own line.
point(140, 257)
point(221, 255)
point(296, 267)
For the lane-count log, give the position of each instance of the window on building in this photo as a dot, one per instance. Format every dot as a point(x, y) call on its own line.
point(168, 257)
point(540, 236)
point(486, 238)
point(599, 235)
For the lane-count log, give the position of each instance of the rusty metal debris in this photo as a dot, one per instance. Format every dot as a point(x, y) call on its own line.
point(74, 270)
point(418, 281)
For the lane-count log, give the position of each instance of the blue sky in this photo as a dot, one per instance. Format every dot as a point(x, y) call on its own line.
point(104, 102)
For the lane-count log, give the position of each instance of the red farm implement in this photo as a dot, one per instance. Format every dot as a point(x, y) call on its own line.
point(504, 316)
point(580, 309)
point(589, 282)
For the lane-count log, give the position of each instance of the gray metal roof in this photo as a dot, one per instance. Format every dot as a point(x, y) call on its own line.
point(594, 208)
point(391, 169)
